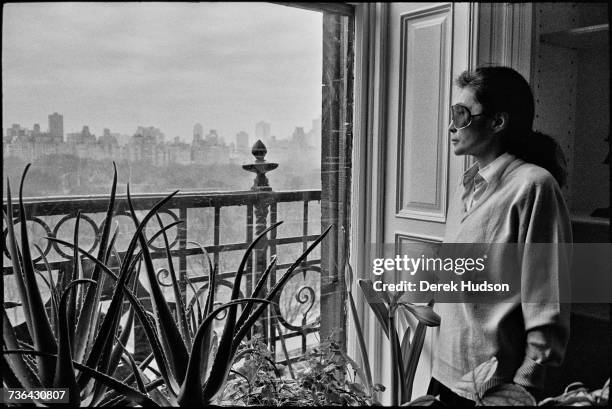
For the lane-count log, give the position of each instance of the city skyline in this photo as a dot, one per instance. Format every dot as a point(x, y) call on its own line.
point(260, 130)
point(149, 144)
point(101, 65)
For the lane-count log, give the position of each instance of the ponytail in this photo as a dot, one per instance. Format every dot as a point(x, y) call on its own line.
point(541, 150)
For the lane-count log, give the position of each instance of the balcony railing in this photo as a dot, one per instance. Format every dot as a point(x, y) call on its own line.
point(297, 311)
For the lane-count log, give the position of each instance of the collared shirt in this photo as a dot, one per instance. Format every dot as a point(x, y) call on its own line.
point(476, 180)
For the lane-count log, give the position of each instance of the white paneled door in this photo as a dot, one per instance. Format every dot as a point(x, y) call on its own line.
point(429, 44)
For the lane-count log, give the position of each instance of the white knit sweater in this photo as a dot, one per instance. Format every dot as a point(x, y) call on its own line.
point(522, 204)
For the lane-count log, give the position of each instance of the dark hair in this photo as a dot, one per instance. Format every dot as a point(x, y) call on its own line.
point(502, 89)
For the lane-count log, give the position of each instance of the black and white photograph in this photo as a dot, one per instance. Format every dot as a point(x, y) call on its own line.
point(306, 204)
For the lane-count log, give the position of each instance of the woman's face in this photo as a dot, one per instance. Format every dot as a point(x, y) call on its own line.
point(477, 138)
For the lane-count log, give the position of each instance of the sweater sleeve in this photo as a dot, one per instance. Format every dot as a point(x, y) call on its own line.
point(546, 259)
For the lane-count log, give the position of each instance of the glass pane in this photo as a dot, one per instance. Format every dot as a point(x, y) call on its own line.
point(176, 94)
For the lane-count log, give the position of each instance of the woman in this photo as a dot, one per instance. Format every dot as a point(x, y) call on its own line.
point(510, 195)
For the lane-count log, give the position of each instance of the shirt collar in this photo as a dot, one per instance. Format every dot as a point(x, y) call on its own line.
point(489, 172)
point(469, 174)
point(495, 168)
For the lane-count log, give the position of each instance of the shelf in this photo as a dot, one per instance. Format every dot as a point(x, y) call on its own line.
point(582, 37)
point(588, 229)
point(600, 312)
point(585, 217)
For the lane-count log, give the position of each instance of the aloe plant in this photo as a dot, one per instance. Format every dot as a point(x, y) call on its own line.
point(59, 335)
point(193, 364)
point(191, 371)
point(194, 390)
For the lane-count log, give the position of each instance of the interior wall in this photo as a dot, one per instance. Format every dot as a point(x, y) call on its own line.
point(591, 191)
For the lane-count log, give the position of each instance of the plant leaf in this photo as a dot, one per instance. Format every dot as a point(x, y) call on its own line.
point(423, 313)
point(210, 299)
point(143, 365)
point(376, 303)
point(136, 259)
point(121, 341)
point(279, 284)
point(89, 314)
point(356, 367)
point(112, 398)
point(128, 392)
point(414, 354)
point(191, 394)
point(53, 288)
point(9, 377)
point(154, 342)
point(258, 288)
point(397, 379)
point(102, 346)
point(86, 332)
point(426, 400)
point(349, 270)
point(213, 346)
point(180, 307)
point(473, 381)
point(284, 347)
point(362, 346)
point(16, 259)
point(98, 347)
point(221, 363)
point(209, 305)
point(168, 332)
point(72, 296)
point(54, 302)
point(143, 318)
point(26, 377)
point(195, 299)
point(42, 336)
point(405, 348)
point(64, 369)
point(140, 383)
point(508, 394)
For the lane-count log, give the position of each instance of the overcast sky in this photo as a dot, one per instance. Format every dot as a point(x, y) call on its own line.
point(169, 65)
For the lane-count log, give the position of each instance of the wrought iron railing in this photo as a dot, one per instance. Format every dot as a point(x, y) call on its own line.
point(55, 217)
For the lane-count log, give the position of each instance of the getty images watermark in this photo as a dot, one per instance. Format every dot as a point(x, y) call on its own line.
point(492, 272)
point(412, 265)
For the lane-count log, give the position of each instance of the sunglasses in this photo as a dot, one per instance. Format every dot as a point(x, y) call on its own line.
point(461, 117)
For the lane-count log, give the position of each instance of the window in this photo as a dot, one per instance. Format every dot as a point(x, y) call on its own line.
point(177, 96)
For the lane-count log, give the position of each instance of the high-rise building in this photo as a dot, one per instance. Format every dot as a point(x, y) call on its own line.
point(212, 137)
point(198, 132)
point(299, 137)
point(151, 133)
point(87, 136)
point(56, 126)
point(242, 141)
point(15, 133)
point(108, 138)
point(314, 136)
point(262, 131)
point(83, 137)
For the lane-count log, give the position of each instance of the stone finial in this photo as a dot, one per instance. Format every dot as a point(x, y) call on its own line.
point(259, 151)
point(260, 167)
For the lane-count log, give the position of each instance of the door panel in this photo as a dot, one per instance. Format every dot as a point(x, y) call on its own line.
point(424, 67)
point(429, 45)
